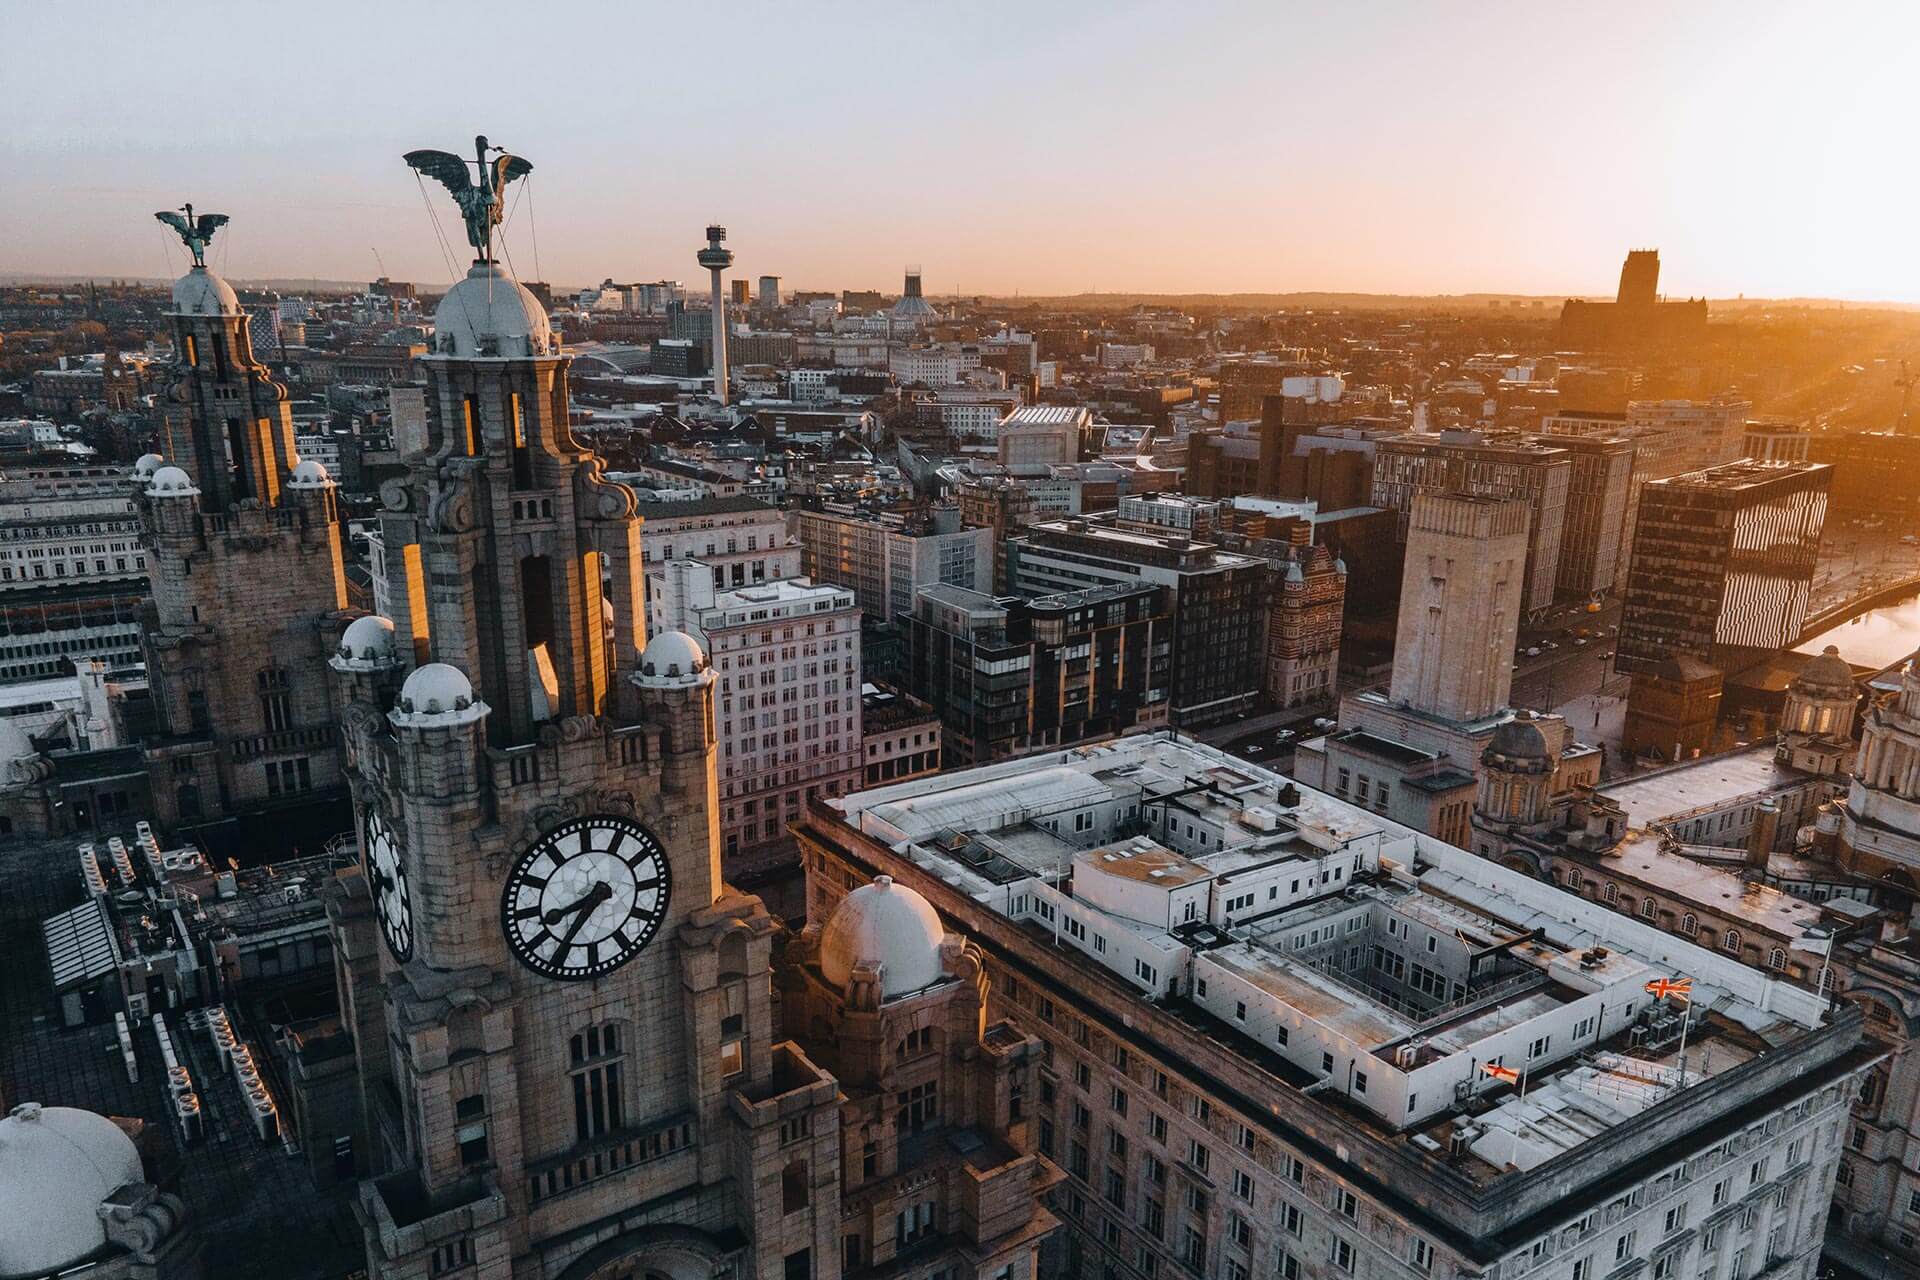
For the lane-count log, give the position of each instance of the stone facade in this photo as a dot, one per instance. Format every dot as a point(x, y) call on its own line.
point(543, 1088)
point(247, 582)
point(1194, 1147)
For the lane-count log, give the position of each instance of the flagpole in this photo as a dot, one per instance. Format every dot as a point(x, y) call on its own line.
point(1513, 1148)
point(1686, 1021)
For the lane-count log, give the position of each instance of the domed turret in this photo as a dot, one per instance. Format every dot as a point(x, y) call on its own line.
point(1518, 746)
point(888, 925)
point(437, 695)
point(149, 463)
point(21, 763)
point(367, 645)
point(490, 314)
point(1826, 675)
point(202, 293)
point(171, 482)
point(309, 473)
point(56, 1166)
point(672, 658)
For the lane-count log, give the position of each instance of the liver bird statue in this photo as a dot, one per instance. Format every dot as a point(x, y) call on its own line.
point(195, 232)
point(482, 203)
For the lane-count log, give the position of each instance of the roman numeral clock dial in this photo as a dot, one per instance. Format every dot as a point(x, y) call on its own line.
point(585, 898)
point(392, 903)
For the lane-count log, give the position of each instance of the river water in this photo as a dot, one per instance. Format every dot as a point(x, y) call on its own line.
point(1878, 638)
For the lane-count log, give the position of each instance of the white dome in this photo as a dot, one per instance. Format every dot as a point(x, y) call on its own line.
point(171, 482)
point(148, 464)
point(674, 658)
point(490, 314)
point(202, 293)
point(56, 1165)
point(310, 473)
point(437, 694)
point(367, 643)
point(889, 925)
point(16, 751)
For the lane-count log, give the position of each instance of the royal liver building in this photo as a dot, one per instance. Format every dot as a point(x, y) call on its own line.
point(568, 1043)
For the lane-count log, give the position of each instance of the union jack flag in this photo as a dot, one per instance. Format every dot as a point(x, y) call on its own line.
point(1661, 988)
point(1499, 1072)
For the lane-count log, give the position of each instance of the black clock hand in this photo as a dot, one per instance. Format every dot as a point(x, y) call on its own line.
point(599, 894)
point(596, 895)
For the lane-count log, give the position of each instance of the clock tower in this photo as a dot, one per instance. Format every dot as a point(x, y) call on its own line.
point(562, 1020)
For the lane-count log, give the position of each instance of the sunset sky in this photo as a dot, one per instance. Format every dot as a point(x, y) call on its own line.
point(1765, 149)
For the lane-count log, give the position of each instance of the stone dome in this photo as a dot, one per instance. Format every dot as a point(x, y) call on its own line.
point(1826, 675)
point(171, 482)
point(673, 658)
point(20, 763)
point(491, 314)
point(889, 925)
point(56, 1165)
point(202, 293)
point(1518, 745)
point(309, 473)
point(148, 464)
point(437, 694)
point(366, 644)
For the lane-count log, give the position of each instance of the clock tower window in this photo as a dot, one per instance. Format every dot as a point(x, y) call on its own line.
point(598, 1076)
point(470, 1117)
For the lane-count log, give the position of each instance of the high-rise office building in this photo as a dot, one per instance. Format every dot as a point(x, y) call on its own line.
point(1218, 599)
point(1723, 560)
point(886, 559)
point(1494, 466)
point(1008, 676)
point(1599, 488)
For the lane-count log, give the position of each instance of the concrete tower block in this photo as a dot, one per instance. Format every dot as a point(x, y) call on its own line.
point(1460, 605)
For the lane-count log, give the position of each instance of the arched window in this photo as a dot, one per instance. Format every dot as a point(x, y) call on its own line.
point(1731, 942)
point(1689, 925)
point(1777, 960)
point(1646, 908)
point(1826, 981)
point(1611, 894)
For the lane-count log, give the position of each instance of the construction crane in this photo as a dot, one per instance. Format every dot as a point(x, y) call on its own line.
point(381, 263)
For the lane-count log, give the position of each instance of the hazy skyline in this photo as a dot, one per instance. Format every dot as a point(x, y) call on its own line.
point(1378, 147)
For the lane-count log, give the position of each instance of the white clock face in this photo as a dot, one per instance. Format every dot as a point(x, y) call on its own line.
point(392, 904)
point(585, 898)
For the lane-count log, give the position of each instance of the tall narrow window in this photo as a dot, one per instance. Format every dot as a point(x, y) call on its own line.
point(598, 1061)
point(517, 437)
point(276, 711)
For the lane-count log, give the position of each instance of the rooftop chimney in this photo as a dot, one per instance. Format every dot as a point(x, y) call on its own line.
point(1766, 825)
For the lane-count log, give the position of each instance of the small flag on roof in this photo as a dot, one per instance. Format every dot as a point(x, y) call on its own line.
point(1499, 1072)
point(1661, 988)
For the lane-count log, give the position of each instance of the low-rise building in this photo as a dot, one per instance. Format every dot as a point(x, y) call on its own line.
point(900, 736)
point(1289, 1037)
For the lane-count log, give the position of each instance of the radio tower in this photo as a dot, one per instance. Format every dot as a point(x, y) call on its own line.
point(716, 259)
